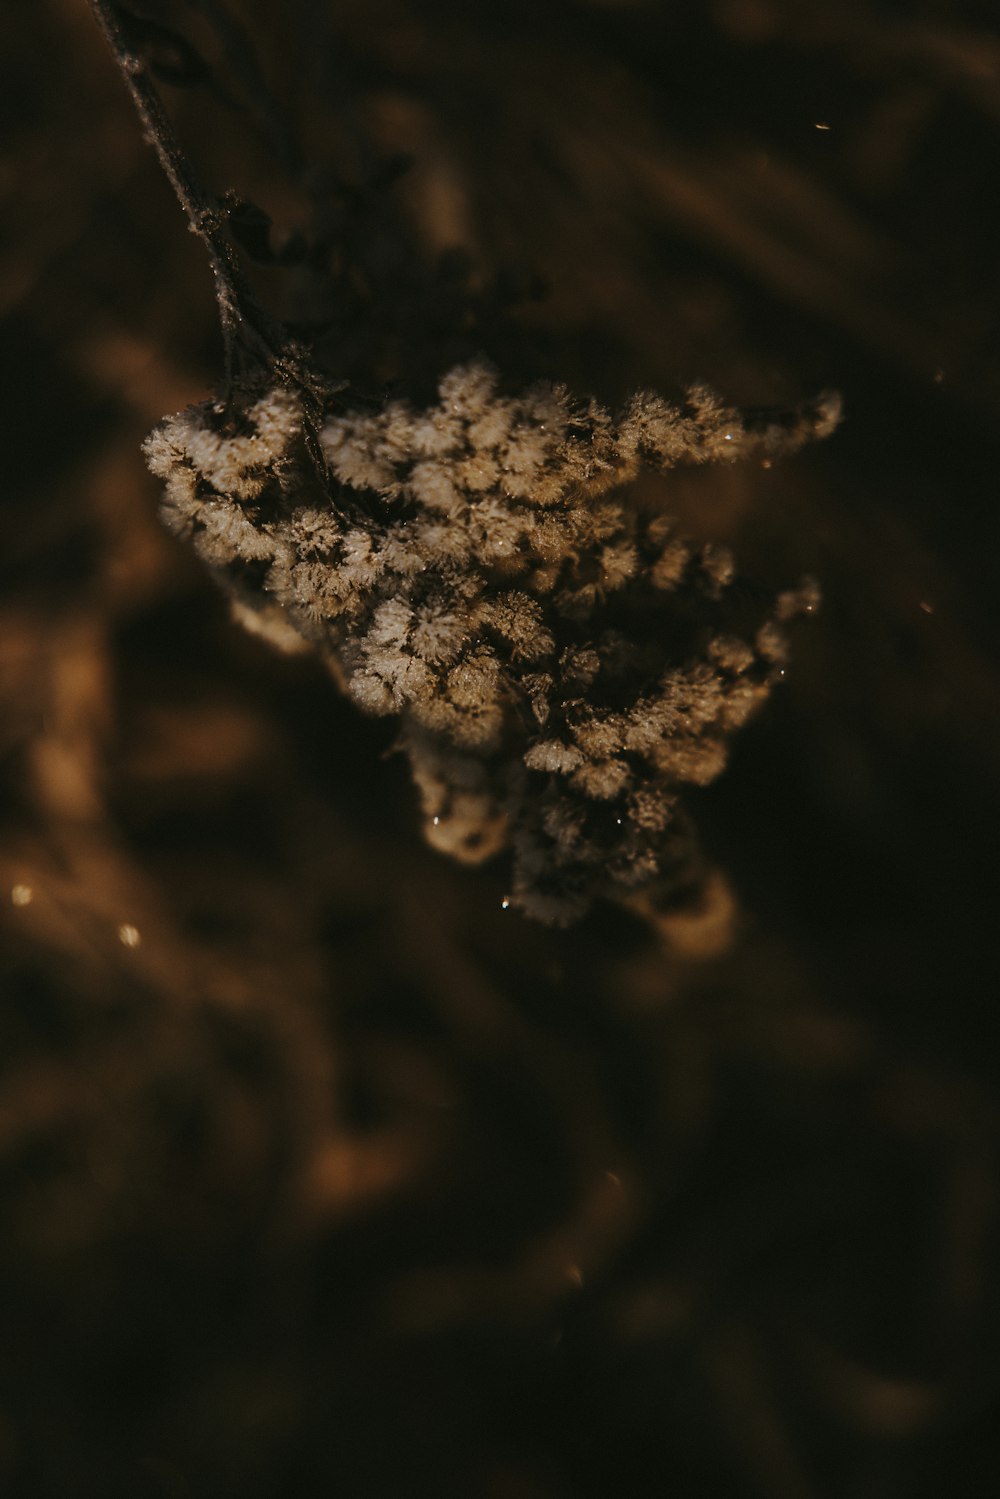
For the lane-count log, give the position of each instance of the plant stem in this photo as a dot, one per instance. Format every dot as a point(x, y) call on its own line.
point(246, 329)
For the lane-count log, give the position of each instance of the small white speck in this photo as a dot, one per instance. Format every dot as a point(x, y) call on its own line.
point(727, 437)
point(436, 821)
point(618, 821)
point(22, 895)
point(765, 463)
point(821, 125)
point(128, 935)
point(505, 903)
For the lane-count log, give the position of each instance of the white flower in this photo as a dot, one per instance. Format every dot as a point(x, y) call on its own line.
point(561, 663)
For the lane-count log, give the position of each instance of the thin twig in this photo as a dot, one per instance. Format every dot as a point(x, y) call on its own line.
point(246, 327)
point(250, 336)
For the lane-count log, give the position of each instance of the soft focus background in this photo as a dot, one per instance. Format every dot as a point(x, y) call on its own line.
point(321, 1173)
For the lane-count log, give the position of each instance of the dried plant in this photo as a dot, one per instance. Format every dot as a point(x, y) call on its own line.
point(304, 1141)
point(562, 661)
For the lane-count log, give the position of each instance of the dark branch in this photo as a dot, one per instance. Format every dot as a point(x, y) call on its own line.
point(249, 334)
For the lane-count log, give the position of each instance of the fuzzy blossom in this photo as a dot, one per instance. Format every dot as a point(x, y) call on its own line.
point(562, 662)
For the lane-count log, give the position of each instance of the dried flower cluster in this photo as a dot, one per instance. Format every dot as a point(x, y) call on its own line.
point(562, 661)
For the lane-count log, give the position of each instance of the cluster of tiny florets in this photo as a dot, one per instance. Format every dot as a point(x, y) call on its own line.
point(561, 660)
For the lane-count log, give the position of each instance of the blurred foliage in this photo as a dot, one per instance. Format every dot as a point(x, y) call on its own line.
point(320, 1172)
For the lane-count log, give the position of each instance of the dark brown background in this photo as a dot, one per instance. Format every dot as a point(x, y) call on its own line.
point(342, 1180)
